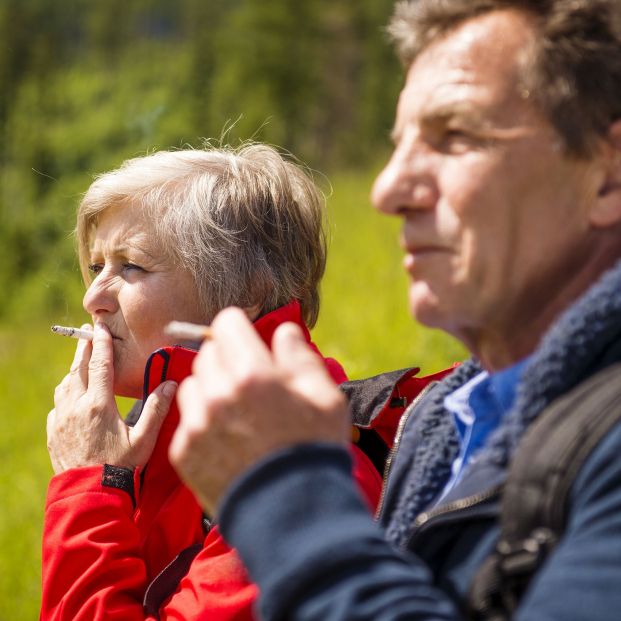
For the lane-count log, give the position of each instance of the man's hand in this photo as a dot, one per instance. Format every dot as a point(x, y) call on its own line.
point(85, 427)
point(244, 402)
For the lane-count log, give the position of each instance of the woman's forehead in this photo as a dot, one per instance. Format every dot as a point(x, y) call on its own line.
point(121, 228)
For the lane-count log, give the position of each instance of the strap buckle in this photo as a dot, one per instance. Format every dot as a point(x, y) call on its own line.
point(522, 559)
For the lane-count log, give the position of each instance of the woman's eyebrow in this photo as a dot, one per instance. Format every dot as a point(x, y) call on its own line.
point(122, 250)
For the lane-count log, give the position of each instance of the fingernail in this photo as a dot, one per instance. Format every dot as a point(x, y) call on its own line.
point(99, 327)
point(169, 389)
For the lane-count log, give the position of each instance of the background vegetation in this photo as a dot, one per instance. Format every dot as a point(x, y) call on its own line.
point(84, 85)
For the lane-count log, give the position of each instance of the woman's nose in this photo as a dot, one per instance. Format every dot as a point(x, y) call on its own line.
point(100, 297)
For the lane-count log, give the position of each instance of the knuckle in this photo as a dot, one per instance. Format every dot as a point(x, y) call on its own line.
point(75, 370)
point(254, 381)
point(95, 408)
point(98, 365)
point(334, 400)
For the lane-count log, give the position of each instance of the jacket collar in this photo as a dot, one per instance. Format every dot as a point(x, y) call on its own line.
point(583, 340)
point(267, 324)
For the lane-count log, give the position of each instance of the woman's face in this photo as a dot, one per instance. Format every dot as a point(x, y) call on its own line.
point(136, 291)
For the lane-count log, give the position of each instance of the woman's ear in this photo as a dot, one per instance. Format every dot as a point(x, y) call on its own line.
point(252, 312)
point(607, 210)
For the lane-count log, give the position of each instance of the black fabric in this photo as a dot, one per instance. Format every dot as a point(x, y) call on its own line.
point(374, 448)
point(368, 397)
point(119, 478)
point(167, 581)
point(134, 414)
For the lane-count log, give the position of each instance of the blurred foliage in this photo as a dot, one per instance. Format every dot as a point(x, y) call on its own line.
point(84, 85)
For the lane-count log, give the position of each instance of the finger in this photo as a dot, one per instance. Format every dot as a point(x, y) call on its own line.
point(100, 366)
point(79, 367)
point(190, 400)
point(143, 435)
point(296, 360)
point(240, 348)
point(49, 424)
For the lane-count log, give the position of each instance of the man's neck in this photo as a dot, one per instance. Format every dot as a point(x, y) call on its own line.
point(500, 345)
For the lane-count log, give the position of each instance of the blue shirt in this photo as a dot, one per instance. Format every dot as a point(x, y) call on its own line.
point(478, 407)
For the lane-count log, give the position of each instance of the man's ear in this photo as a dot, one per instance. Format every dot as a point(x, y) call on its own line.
point(607, 210)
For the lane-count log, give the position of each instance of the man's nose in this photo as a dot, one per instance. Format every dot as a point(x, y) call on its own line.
point(101, 296)
point(406, 182)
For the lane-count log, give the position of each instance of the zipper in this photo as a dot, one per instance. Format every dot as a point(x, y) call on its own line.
point(424, 518)
point(400, 428)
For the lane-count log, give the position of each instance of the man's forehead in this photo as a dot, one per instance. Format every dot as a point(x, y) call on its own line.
point(477, 63)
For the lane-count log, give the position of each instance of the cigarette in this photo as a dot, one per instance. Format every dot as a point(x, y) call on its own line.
point(185, 331)
point(76, 333)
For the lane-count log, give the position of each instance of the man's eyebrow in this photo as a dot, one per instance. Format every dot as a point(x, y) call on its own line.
point(442, 113)
point(452, 110)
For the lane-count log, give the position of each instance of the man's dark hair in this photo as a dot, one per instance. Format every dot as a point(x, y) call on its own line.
point(575, 72)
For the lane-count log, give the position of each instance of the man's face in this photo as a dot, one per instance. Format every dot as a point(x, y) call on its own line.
point(495, 215)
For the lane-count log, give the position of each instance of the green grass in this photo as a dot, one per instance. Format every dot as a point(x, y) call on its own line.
point(364, 323)
point(30, 366)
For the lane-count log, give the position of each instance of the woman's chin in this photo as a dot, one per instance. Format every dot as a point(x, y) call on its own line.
point(129, 391)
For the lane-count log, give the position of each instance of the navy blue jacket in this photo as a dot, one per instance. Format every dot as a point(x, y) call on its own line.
point(308, 542)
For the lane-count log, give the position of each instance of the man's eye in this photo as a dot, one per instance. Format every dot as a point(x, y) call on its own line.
point(95, 268)
point(455, 135)
point(455, 141)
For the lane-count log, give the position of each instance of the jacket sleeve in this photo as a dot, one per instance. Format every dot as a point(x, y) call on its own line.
point(315, 553)
point(313, 549)
point(93, 570)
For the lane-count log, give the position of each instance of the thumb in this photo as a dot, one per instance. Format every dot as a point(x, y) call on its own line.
point(144, 434)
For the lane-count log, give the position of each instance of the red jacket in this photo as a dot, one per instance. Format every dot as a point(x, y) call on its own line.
point(129, 546)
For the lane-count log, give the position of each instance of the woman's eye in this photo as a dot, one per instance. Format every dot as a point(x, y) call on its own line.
point(95, 268)
point(132, 266)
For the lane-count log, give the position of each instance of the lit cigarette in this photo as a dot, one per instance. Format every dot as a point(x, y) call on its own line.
point(185, 331)
point(76, 333)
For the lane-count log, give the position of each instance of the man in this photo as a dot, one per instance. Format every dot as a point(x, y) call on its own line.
point(507, 176)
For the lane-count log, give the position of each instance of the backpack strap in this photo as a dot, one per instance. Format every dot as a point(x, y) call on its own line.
point(534, 506)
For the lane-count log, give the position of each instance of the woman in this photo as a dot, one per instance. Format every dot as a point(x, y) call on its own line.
point(173, 235)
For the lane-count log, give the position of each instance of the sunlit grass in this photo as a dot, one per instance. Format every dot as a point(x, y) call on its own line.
point(31, 364)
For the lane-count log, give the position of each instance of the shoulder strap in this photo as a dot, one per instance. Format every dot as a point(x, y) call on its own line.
point(535, 498)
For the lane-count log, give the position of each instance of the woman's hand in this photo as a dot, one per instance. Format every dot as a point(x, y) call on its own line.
point(85, 427)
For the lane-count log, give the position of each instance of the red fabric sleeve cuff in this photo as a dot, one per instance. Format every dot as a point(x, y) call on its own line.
point(90, 479)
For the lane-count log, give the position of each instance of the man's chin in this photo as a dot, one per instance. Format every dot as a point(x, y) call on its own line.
point(424, 306)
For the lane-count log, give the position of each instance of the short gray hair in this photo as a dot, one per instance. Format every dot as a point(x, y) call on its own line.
point(575, 72)
point(247, 223)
